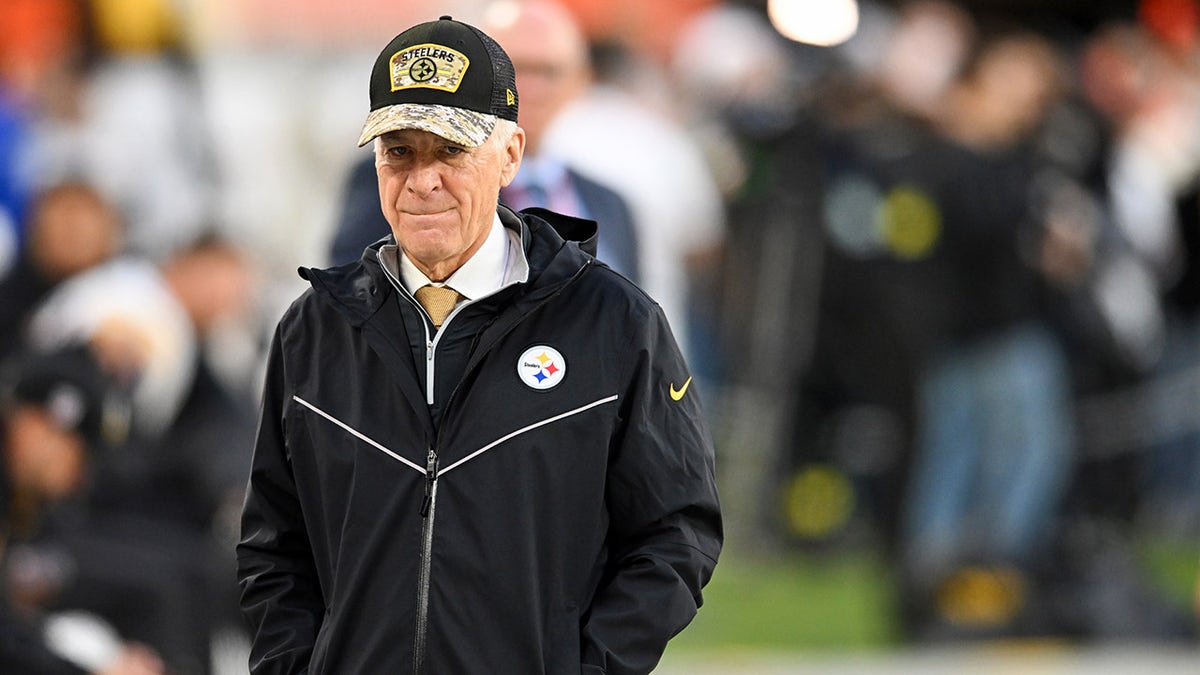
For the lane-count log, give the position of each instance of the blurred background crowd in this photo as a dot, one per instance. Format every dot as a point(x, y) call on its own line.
point(935, 264)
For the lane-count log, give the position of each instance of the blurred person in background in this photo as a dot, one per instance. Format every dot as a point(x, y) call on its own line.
point(551, 57)
point(877, 290)
point(931, 325)
point(56, 408)
point(1142, 77)
point(36, 37)
point(203, 458)
point(1109, 254)
point(140, 331)
point(166, 497)
point(746, 105)
point(1015, 308)
point(72, 228)
point(676, 203)
point(119, 107)
point(995, 436)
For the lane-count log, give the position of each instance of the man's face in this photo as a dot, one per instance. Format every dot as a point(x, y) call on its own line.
point(439, 197)
point(72, 231)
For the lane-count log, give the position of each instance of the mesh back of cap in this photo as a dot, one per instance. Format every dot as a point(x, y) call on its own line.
point(503, 77)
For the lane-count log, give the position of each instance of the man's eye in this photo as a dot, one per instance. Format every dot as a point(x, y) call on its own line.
point(397, 151)
point(454, 150)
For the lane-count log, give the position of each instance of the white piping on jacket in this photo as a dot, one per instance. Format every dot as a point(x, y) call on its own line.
point(473, 455)
point(522, 430)
point(358, 434)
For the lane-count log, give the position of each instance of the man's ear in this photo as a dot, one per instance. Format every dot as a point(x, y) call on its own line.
point(513, 152)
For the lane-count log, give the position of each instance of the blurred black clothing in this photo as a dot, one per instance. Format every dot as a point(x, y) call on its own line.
point(155, 583)
point(149, 559)
point(23, 647)
point(21, 290)
point(186, 475)
point(1184, 294)
point(360, 221)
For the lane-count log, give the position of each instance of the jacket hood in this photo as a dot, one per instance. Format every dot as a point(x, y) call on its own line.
point(581, 231)
point(556, 246)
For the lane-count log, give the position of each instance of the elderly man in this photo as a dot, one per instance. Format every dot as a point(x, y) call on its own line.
point(480, 449)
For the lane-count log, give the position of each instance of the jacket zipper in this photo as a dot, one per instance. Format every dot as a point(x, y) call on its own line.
point(428, 505)
point(431, 340)
point(429, 502)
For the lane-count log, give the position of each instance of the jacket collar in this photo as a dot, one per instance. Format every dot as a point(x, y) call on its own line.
point(361, 293)
point(556, 246)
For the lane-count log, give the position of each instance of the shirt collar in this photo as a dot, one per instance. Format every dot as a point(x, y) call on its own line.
point(482, 274)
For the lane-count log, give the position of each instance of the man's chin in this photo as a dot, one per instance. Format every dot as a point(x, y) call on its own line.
point(429, 253)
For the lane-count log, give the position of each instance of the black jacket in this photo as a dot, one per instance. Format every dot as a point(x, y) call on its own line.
point(533, 530)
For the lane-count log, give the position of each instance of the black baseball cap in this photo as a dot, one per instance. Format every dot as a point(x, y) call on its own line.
point(69, 384)
point(445, 77)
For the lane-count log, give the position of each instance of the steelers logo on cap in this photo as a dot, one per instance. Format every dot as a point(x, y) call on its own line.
point(541, 367)
point(423, 70)
point(428, 66)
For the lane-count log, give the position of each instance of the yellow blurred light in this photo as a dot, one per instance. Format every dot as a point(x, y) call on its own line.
point(818, 502)
point(980, 596)
point(136, 26)
point(911, 222)
point(824, 23)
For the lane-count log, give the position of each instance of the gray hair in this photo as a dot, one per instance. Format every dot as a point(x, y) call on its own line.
point(502, 133)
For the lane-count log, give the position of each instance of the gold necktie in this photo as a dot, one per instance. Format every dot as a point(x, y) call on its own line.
point(439, 301)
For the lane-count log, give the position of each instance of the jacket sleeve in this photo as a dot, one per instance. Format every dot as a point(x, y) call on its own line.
point(665, 531)
point(280, 592)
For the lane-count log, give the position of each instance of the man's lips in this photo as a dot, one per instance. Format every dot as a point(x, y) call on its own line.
point(426, 212)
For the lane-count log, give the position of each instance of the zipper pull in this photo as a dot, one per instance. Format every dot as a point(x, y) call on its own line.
point(429, 350)
point(430, 477)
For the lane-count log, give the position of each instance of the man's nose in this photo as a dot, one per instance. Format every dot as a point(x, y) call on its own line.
point(424, 178)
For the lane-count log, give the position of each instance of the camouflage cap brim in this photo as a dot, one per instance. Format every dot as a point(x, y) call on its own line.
point(467, 128)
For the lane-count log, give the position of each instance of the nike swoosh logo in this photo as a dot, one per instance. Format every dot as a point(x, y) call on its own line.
point(677, 394)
